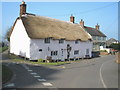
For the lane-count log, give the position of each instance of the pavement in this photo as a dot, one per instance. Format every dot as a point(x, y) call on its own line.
point(99, 72)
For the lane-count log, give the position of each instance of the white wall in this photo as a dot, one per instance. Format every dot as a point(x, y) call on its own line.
point(54, 45)
point(21, 44)
point(107, 49)
point(19, 40)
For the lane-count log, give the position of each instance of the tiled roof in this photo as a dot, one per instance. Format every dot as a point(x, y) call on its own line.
point(94, 32)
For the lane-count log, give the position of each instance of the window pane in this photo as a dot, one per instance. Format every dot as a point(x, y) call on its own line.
point(61, 41)
point(76, 52)
point(47, 40)
point(76, 41)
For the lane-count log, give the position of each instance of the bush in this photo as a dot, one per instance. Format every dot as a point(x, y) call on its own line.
point(40, 60)
point(115, 46)
point(103, 50)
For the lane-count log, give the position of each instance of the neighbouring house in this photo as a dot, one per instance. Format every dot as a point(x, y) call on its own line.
point(38, 37)
point(99, 38)
point(111, 41)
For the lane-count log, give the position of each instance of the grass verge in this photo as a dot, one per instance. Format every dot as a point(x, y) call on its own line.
point(6, 74)
point(39, 62)
point(2, 49)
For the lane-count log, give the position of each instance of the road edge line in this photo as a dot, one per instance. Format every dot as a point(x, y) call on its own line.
point(101, 78)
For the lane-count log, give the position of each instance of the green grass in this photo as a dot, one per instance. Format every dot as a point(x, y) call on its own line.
point(14, 57)
point(50, 63)
point(39, 62)
point(2, 49)
point(6, 74)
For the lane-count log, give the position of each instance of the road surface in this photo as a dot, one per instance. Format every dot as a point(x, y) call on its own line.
point(99, 72)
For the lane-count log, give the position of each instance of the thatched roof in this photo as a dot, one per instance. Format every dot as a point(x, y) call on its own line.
point(44, 27)
point(94, 32)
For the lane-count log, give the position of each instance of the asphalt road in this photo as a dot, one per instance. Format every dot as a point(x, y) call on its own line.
point(99, 72)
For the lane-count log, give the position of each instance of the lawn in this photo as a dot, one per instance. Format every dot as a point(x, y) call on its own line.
point(6, 74)
point(2, 49)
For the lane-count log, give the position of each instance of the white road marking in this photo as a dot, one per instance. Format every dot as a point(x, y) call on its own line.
point(36, 64)
point(13, 63)
point(36, 76)
point(30, 70)
point(33, 73)
point(102, 77)
point(10, 85)
point(47, 84)
point(17, 63)
point(25, 66)
point(41, 80)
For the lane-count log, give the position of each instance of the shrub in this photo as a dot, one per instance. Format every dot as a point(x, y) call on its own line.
point(40, 60)
point(103, 50)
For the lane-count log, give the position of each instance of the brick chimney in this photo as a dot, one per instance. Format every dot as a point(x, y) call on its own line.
point(22, 8)
point(82, 23)
point(72, 18)
point(97, 27)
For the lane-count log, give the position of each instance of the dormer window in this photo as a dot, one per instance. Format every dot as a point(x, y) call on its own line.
point(76, 41)
point(61, 41)
point(47, 40)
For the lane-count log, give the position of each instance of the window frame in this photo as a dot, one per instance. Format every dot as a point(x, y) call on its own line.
point(47, 40)
point(76, 41)
point(87, 51)
point(61, 41)
point(54, 53)
point(76, 52)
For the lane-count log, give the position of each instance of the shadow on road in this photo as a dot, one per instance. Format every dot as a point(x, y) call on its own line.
point(23, 79)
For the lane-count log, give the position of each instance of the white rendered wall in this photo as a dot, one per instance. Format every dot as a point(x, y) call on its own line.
point(54, 45)
point(19, 40)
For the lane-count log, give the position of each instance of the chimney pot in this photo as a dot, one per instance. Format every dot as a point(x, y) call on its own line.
point(22, 8)
point(82, 23)
point(97, 27)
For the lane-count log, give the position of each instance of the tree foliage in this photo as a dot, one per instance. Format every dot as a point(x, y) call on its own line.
point(7, 36)
point(115, 46)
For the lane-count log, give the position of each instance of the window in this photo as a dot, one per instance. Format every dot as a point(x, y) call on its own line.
point(104, 38)
point(94, 37)
point(76, 52)
point(40, 50)
point(87, 51)
point(61, 41)
point(76, 41)
point(54, 53)
point(47, 40)
point(99, 38)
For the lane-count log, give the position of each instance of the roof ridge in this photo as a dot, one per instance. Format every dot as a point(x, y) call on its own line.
point(50, 18)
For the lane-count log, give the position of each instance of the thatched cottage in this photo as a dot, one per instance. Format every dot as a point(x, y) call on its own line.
point(38, 37)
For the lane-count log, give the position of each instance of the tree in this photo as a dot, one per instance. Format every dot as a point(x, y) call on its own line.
point(115, 46)
point(7, 35)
